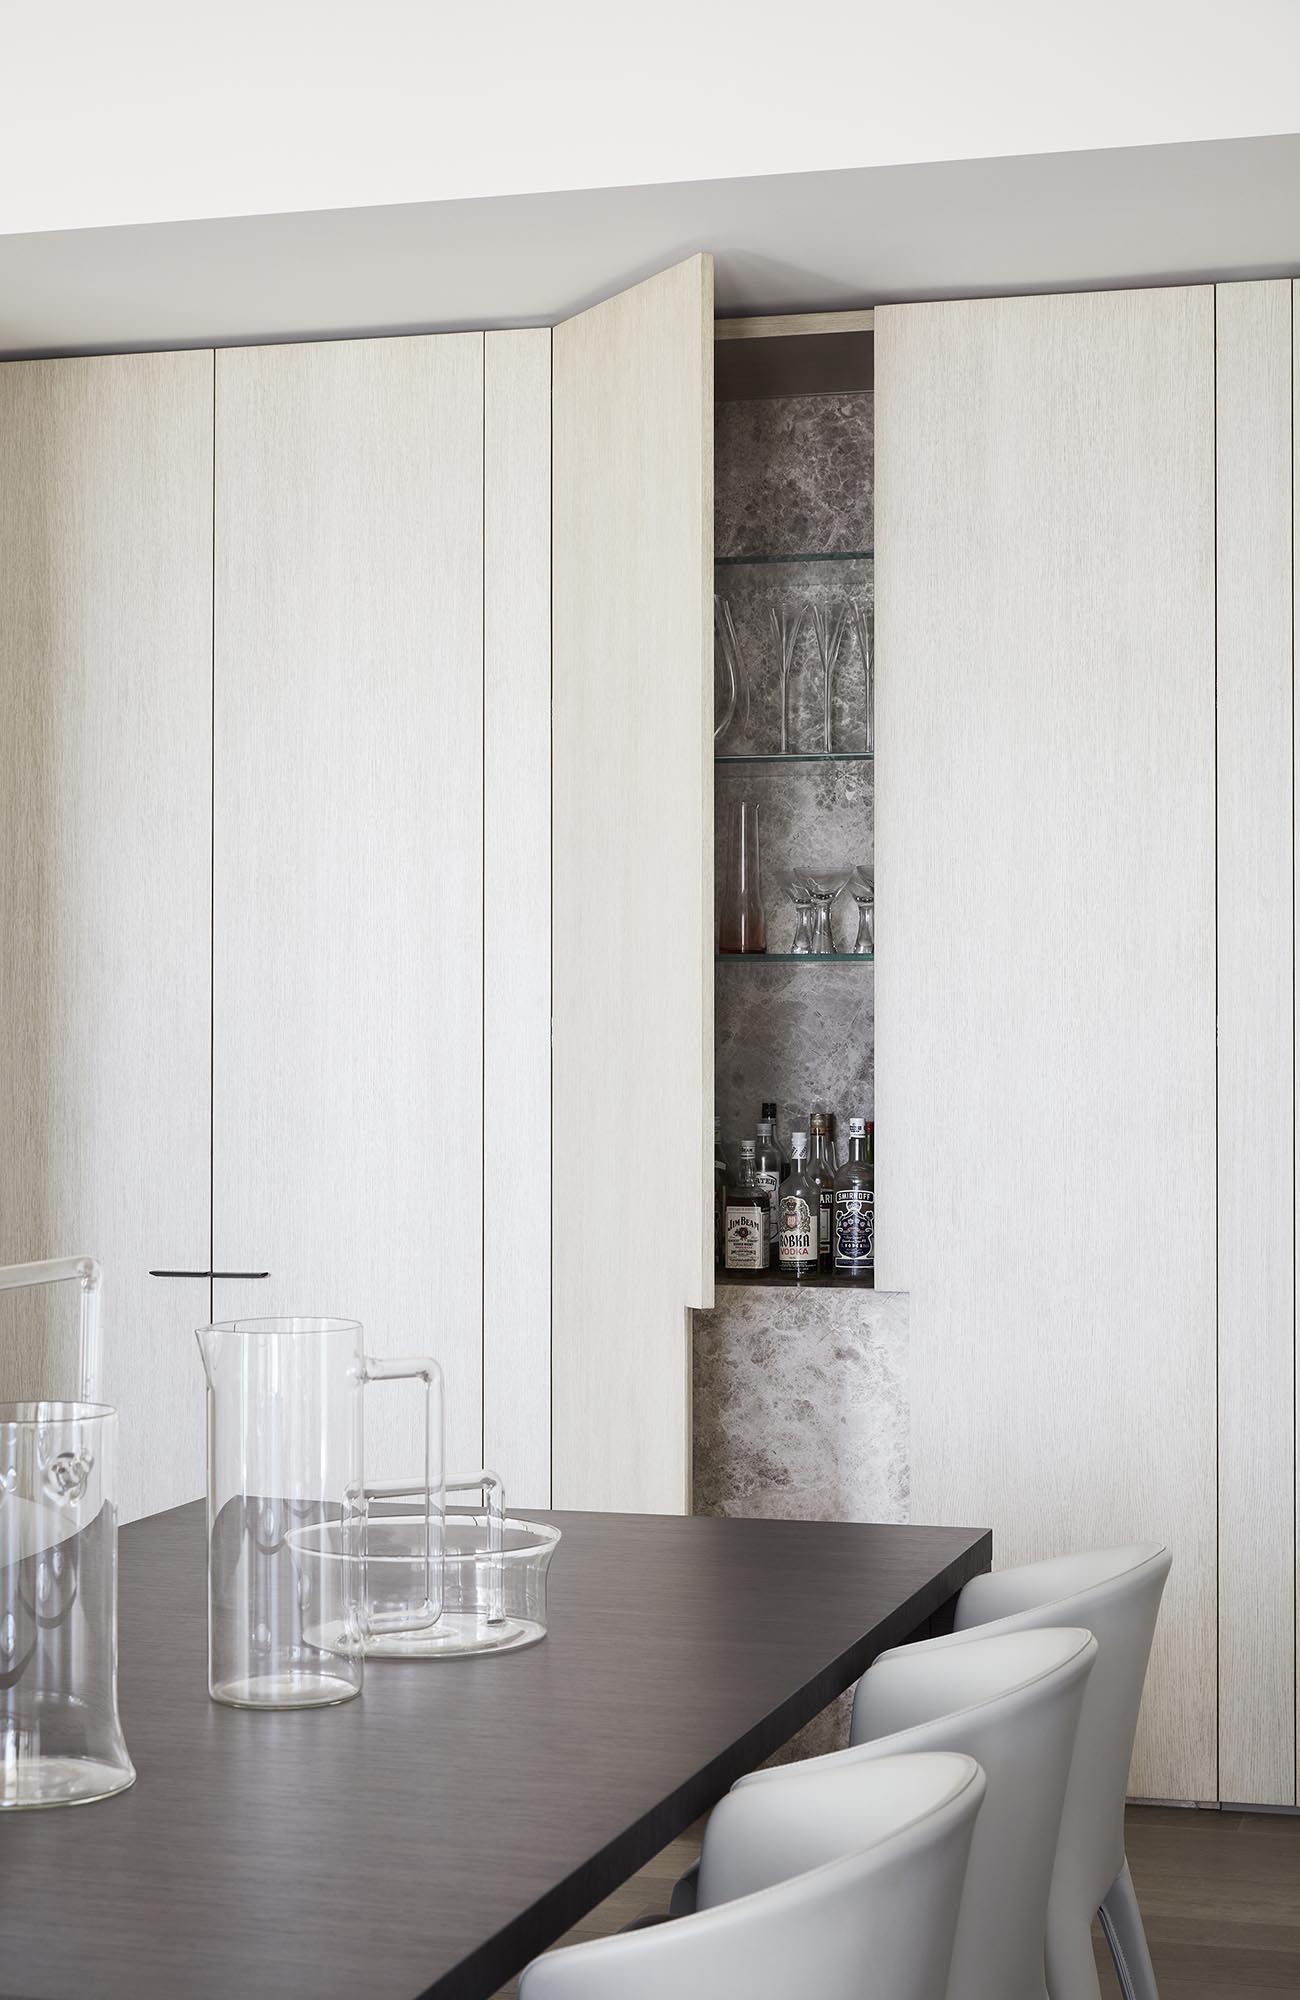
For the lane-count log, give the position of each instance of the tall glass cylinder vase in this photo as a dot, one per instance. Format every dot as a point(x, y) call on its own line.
point(60, 1738)
point(742, 928)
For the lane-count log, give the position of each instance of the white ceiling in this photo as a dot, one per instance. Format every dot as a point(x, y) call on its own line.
point(153, 111)
point(783, 242)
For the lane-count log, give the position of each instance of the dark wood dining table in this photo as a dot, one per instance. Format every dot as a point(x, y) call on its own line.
point(431, 1837)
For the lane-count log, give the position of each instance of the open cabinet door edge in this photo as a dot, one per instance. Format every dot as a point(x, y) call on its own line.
point(632, 826)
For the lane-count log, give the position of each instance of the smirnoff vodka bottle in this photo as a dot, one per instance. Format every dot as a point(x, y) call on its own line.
point(855, 1221)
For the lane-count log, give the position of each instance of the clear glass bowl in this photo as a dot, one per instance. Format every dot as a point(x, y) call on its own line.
point(493, 1576)
point(494, 1600)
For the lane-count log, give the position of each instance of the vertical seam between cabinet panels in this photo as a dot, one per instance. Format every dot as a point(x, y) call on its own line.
point(1295, 1463)
point(1218, 1526)
point(483, 916)
point(212, 874)
point(550, 971)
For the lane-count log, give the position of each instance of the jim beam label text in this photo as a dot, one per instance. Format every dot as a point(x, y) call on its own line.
point(854, 1229)
point(798, 1231)
point(746, 1231)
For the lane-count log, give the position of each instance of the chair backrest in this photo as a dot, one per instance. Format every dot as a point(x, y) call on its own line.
point(881, 1855)
point(1116, 1593)
point(1013, 1704)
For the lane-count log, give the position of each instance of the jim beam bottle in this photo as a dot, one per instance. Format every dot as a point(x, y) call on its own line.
point(748, 1218)
point(855, 1222)
point(770, 1168)
point(799, 1209)
point(821, 1172)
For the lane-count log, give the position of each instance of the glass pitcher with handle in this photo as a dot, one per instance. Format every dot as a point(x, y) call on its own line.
point(285, 1449)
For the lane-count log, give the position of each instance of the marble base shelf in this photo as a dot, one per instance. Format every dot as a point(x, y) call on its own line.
point(802, 1412)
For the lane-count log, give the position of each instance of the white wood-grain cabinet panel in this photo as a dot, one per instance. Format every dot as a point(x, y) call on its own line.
point(632, 884)
point(1256, 1093)
point(517, 912)
point(1045, 1014)
point(348, 909)
point(105, 754)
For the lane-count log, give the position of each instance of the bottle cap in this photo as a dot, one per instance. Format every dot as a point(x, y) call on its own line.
point(798, 1143)
point(857, 1128)
point(764, 1128)
point(818, 1121)
point(769, 1111)
point(746, 1149)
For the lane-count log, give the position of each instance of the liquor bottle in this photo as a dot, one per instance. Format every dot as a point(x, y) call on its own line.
point(748, 1218)
point(800, 1219)
point(719, 1194)
point(855, 1226)
point(821, 1172)
point(770, 1165)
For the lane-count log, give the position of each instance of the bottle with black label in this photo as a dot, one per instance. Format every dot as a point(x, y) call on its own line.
point(821, 1172)
point(748, 1219)
point(719, 1194)
point(800, 1218)
point(855, 1221)
point(770, 1167)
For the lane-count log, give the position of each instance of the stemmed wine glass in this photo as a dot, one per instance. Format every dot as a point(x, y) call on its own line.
point(826, 884)
point(862, 888)
point(787, 623)
point(862, 631)
point(733, 661)
point(831, 625)
point(798, 888)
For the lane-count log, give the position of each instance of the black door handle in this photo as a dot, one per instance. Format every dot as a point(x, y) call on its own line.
point(209, 1274)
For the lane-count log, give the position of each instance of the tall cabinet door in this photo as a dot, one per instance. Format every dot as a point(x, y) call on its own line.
point(1045, 987)
point(1256, 1002)
point(632, 891)
point(105, 755)
point(348, 921)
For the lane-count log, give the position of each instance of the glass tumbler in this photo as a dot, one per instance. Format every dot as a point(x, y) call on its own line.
point(285, 1446)
point(742, 926)
point(60, 1739)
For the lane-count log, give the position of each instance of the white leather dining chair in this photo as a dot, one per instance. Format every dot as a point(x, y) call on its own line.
point(1013, 1704)
point(847, 1891)
point(1115, 1593)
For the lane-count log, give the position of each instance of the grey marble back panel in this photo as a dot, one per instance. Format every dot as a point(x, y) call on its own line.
point(794, 472)
point(794, 475)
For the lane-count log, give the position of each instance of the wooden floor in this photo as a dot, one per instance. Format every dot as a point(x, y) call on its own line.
point(1220, 1893)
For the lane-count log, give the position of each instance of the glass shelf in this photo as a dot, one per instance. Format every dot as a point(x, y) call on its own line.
point(775, 1279)
point(814, 556)
point(794, 757)
point(794, 957)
